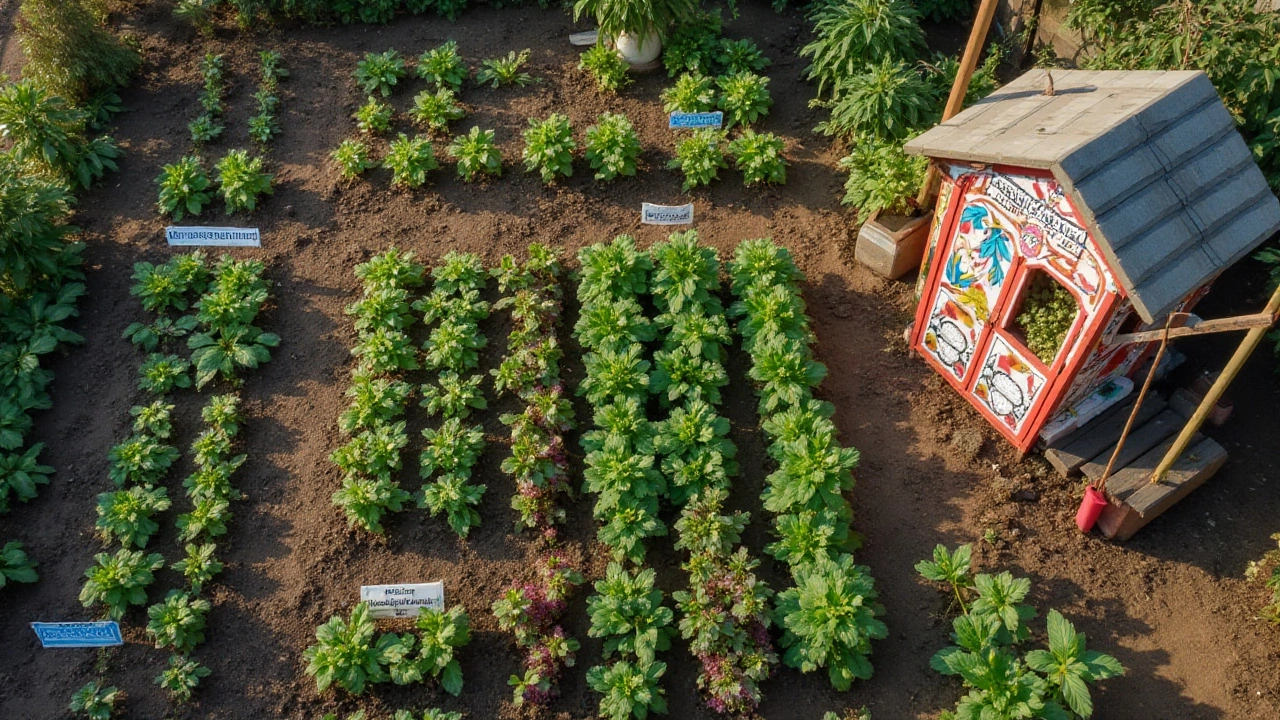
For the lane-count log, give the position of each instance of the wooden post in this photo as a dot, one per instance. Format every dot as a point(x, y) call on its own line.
point(968, 63)
point(1211, 398)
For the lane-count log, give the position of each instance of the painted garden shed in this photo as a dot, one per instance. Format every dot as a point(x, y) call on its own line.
point(1117, 195)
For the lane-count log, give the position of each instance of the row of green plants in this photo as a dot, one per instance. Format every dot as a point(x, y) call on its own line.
point(455, 309)
point(347, 655)
point(627, 610)
point(374, 421)
point(830, 614)
point(186, 188)
point(724, 610)
point(207, 126)
point(204, 14)
point(266, 124)
point(1003, 680)
point(224, 342)
point(52, 123)
point(442, 67)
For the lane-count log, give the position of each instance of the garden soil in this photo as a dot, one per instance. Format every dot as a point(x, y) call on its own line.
point(1171, 604)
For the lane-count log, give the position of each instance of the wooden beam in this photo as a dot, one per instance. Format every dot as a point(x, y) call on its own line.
point(960, 88)
point(1199, 327)
point(1211, 398)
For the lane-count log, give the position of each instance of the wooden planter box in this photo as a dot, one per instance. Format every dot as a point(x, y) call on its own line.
point(892, 245)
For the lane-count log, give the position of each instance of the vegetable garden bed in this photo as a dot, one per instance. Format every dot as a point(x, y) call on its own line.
point(292, 560)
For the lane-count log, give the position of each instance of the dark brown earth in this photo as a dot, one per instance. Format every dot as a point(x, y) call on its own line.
point(1171, 604)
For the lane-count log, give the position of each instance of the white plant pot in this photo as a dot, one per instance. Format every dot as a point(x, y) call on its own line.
point(638, 52)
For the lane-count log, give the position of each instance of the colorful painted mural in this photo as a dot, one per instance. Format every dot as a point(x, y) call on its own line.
point(1008, 385)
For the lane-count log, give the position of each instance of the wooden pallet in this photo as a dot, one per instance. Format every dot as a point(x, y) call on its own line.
point(1135, 500)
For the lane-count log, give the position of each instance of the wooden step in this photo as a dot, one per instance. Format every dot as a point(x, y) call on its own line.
point(1136, 501)
point(1100, 434)
point(1141, 439)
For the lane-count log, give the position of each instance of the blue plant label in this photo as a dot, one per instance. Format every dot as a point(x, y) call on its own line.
point(219, 236)
point(78, 634)
point(686, 121)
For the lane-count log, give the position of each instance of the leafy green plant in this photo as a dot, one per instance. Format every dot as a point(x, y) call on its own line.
point(409, 160)
point(434, 111)
point(345, 653)
point(830, 619)
point(744, 98)
point(380, 72)
point(228, 350)
point(442, 633)
point(182, 677)
point(126, 515)
point(20, 473)
point(759, 157)
point(607, 68)
point(630, 690)
point(693, 45)
point(264, 126)
point(882, 178)
point(241, 181)
point(886, 102)
point(15, 566)
point(700, 157)
point(161, 373)
point(208, 517)
point(477, 154)
point(1040, 684)
point(505, 71)
point(627, 612)
point(549, 147)
point(451, 449)
point(178, 623)
point(352, 158)
point(740, 56)
point(199, 566)
point(456, 498)
point(96, 702)
point(47, 134)
point(639, 20)
point(366, 500)
point(205, 129)
point(454, 396)
point(374, 117)
point(1257, 569)
point(443, 67)
point(692, 92)
point(184, 188)
point(612, 146)
point(852, 34)
point(120, 580)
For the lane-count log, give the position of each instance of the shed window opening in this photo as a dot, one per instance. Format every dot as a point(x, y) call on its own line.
point(1045, 316)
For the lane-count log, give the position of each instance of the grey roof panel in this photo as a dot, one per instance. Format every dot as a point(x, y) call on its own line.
point(1151, 159)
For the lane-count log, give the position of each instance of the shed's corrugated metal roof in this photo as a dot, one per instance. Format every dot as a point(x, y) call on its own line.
point(1151, 159)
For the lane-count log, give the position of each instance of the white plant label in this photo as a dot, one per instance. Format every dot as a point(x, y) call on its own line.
point(651, 214)
point(584, 38)
point(219, 236)
point(402, 601)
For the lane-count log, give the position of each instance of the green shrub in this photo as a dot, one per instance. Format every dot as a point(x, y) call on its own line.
point(20, 473)
point(182, 677)
point(612, 146)
point(1048, 312)
point(184, 188)
point(15, 566)
point(70, 52)
point(241, 181)
point(852, 34)
point(47, 135)
point(759, 157)
point(374, 117)
point(126, 515)
point(178, 623)
point(205, 129)
point(693, 46)
point(505, 71)
point(887, 101)
point(409, 160)
point(352, 158)
point(443, 67)
point(366, 500)
point(448, 9)
point(700, 157)
point(162, 373)
point(882, 178)
point(345, 653)
point(744, 98)
point(376, 12)
point(120, 581)
point(740, 56)
point(380, 72)
point(549, 146)
point(615, 17)
point(607, 67)
point(226, 350)
point(477, 154)
point(692, 93)
point(95, 702)
point(434, 111)
point(33, 230)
